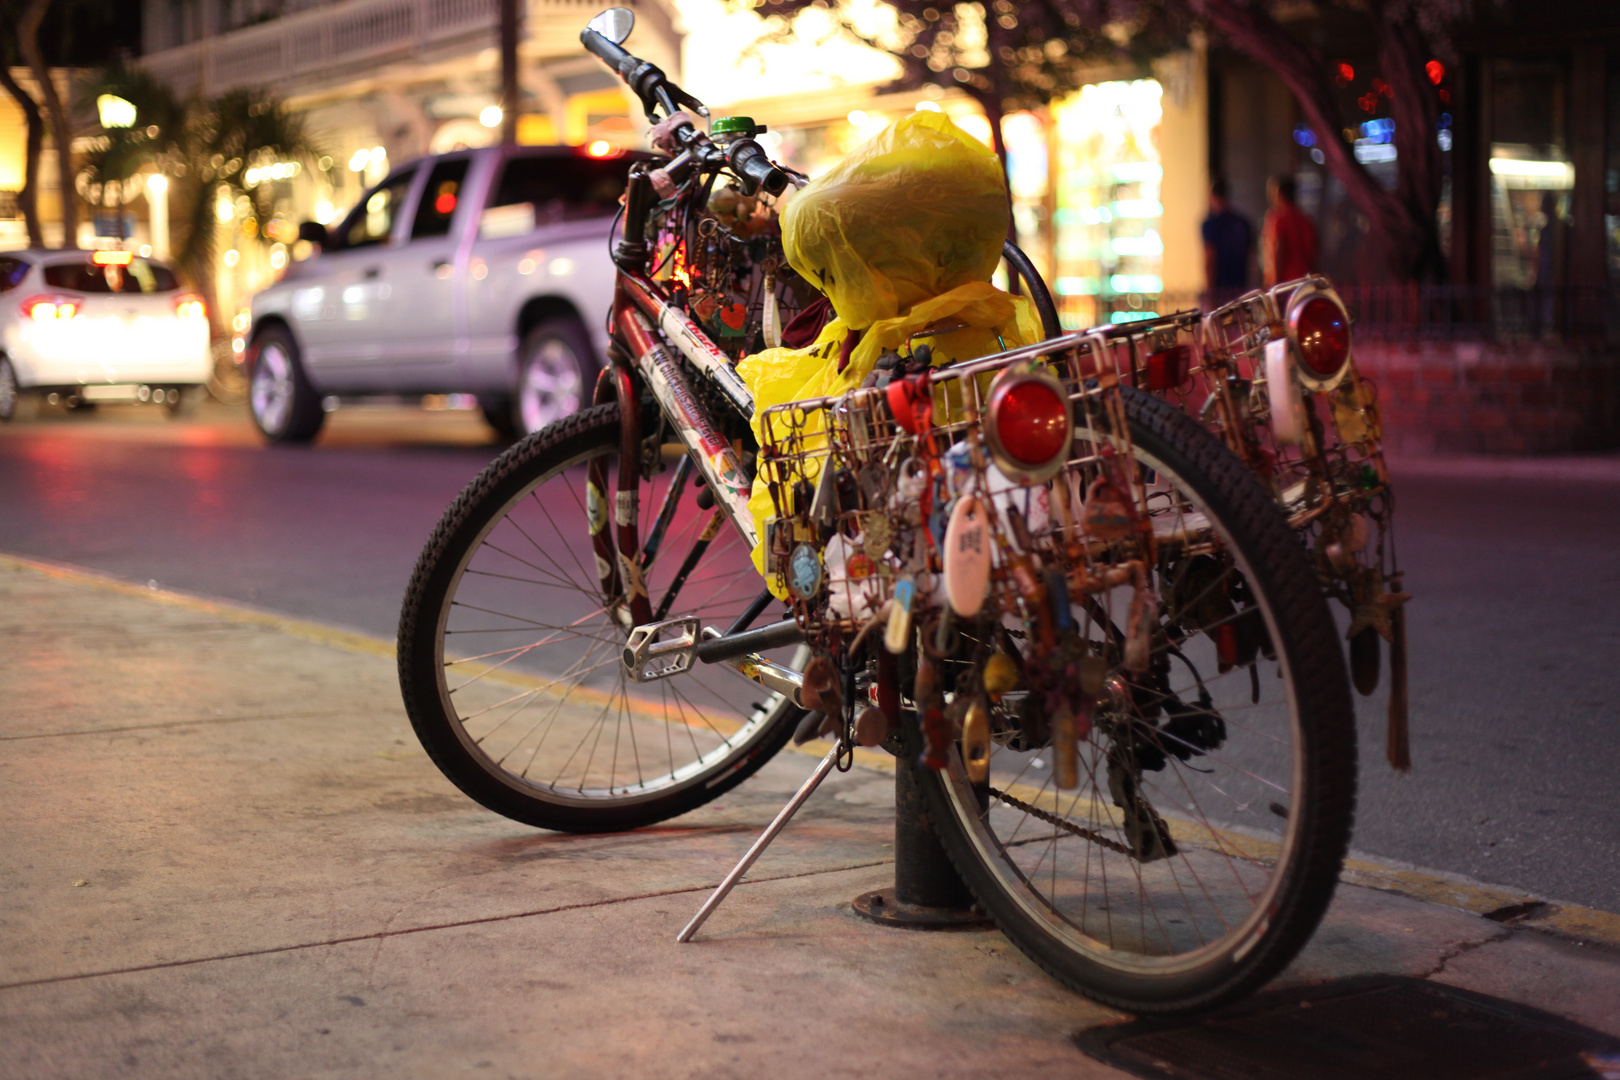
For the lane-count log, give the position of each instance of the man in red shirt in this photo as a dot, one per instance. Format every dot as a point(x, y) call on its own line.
point(1287, 239)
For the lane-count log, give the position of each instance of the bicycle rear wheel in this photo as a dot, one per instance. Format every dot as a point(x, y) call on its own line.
point(509, 653)
point(1216, 790)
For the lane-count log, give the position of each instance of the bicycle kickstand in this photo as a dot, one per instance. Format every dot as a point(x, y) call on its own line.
point(761, 844)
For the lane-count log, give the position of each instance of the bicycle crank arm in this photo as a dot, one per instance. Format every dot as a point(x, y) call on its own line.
point(768, 673)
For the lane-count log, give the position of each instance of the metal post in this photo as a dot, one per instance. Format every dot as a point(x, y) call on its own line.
point(927, 894)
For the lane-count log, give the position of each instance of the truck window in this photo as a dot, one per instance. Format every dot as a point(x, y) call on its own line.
point(372, 222)
point(439, 199)
point(563, 188)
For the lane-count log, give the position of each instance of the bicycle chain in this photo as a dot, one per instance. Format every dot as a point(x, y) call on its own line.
point(1063, 823)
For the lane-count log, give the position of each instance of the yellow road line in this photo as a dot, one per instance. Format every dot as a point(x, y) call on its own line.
point(1585, 924)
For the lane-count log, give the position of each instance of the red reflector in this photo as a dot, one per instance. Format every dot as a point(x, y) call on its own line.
point(1167, 368)
point(1032, 421)
point(1323, 334)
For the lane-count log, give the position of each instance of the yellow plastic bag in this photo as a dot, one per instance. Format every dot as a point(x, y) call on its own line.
point(902, 235)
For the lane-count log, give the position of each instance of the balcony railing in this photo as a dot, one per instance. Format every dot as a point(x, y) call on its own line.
point(302, 48)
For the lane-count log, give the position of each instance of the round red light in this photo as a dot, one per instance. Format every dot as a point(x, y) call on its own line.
point(1323, 334)
point(445, 203)
point(1032, 421)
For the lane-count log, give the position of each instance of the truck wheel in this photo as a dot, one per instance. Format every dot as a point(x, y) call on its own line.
point(501, 416)
point(8, 390)
point(555, 373)
point(284, 405)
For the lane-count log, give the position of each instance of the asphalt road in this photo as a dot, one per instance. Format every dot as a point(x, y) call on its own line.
point(1515, 625)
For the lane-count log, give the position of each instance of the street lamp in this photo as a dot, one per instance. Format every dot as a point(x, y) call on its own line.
point(114, 112)
point(157, 202)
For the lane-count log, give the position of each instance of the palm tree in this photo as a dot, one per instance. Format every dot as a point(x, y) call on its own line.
point(205, 147)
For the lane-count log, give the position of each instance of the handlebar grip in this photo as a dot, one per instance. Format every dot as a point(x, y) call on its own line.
point(749, 160)
point(617, 58)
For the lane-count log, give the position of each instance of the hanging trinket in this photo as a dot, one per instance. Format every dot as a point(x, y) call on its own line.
point(1107, 512)
point(967, 557)
point(976, 742)
point(897, 634)
point(1139, 630)
point(1065, 752)
point(871, 726)
point(1000, 675)
point(875, 534)
point(804, 572)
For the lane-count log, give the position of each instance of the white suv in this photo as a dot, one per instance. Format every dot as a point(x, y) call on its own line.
point(93, 326)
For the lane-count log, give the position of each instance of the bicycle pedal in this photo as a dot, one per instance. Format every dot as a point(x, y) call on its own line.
point(659, 650)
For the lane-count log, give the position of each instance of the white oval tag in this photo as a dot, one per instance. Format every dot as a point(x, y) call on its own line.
point(967, 557)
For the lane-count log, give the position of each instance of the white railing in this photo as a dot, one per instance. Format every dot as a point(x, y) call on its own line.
point(304, 47)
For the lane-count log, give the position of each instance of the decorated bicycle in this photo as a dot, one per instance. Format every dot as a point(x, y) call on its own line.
point(1071, 605)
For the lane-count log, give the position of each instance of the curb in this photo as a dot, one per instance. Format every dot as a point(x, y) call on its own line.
point(1493, 902)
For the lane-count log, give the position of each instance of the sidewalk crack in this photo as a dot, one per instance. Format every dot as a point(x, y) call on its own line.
point(1463, 949)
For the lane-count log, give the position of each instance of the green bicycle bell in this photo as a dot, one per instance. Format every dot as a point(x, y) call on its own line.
point(732, 127)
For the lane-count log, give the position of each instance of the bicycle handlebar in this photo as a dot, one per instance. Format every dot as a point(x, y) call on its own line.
point(745, 156)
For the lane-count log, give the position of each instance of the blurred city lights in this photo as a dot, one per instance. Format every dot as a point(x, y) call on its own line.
point(491, 116)
point(1541, 175)
point(157, 183)
point(115, 112)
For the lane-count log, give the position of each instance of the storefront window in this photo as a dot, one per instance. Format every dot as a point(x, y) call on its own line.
point(1531, 174)
point(1108, 249)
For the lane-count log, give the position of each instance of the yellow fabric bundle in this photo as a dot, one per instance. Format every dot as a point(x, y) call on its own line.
point(901, 235)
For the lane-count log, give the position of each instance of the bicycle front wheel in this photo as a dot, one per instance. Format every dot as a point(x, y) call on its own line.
point(1215, 789)
point(510, 654)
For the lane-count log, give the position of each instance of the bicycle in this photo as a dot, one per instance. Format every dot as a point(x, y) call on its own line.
point(1061, 593)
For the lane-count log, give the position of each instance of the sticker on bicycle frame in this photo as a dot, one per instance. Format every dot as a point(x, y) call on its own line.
point(631, 568)
point(804, 572)
point(595, 508)
point(624, 507)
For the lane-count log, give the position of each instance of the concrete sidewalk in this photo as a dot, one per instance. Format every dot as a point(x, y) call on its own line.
point(224, 855)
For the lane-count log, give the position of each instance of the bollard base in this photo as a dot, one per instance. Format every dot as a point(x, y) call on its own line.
point(881, 906)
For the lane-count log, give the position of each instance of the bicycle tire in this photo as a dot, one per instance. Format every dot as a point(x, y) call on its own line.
point(975, 827)
point(490, 502)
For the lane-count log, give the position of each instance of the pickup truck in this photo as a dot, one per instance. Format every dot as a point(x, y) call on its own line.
point(482, 272)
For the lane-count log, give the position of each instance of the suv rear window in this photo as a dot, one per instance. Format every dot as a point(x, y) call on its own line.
point(140, 276)
point(563, 188)
point(12, 271)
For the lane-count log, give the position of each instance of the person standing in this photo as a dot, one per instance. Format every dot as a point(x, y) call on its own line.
point(1288, 239)
point(1228, 240)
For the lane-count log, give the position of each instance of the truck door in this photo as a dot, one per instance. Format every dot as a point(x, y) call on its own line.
point(424, 272)
point(349, 294)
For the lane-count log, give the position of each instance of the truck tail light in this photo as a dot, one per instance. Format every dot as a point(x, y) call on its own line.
point(50, 308)
point(190, 306)
point(1028, 424)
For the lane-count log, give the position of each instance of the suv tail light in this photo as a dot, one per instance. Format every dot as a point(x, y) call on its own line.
point(190, 306)
point(51, 307)
point(1320, 331)
point(1028, 424)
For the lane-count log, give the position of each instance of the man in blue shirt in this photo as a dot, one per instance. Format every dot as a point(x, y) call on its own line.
point(1228, 240)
